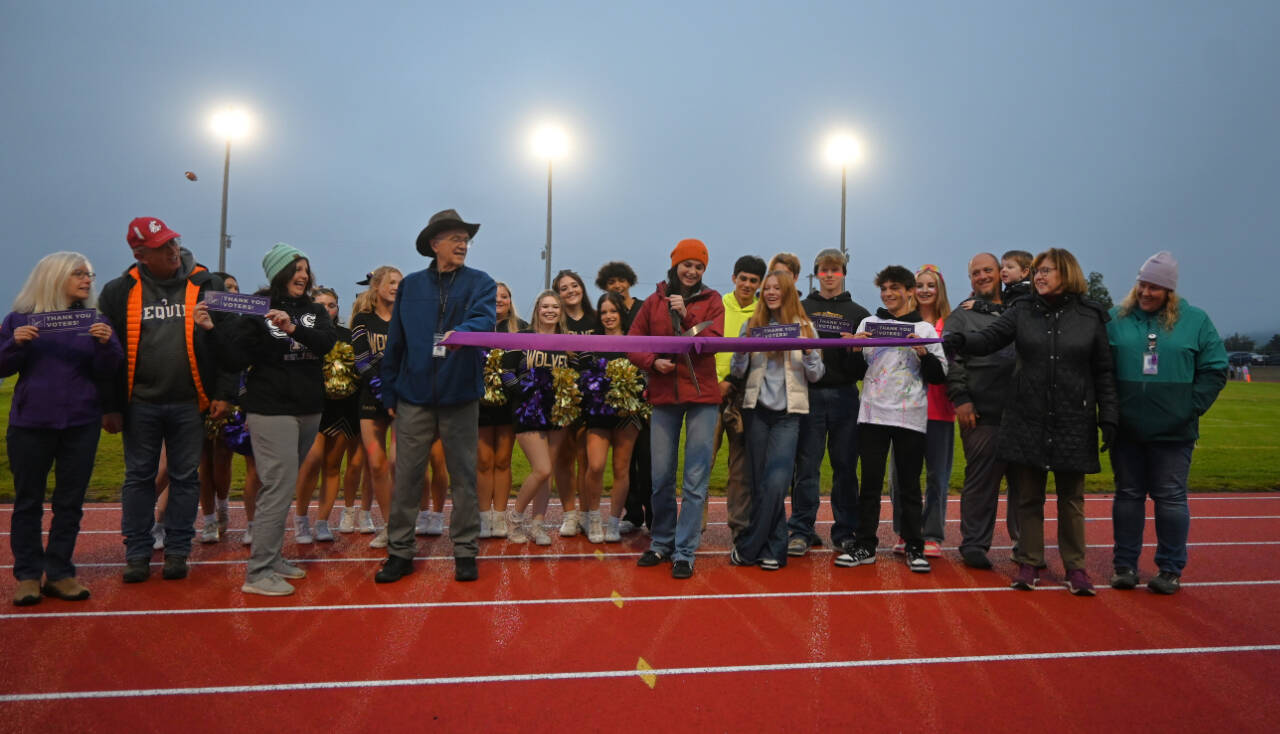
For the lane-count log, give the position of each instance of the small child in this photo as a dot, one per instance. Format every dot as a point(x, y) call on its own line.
point(1015, 274)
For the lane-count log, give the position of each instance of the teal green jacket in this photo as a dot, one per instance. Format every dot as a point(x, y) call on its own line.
point(1192, 370)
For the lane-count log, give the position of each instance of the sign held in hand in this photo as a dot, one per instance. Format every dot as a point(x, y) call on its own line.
point(242, 303)
point(79, 319)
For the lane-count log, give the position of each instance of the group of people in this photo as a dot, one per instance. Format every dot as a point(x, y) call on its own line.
point(1031, 370)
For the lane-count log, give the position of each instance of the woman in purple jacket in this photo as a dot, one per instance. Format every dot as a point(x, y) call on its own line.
point(55, 418)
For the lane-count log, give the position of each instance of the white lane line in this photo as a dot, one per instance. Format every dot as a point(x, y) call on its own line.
point(884, 550)
point(289, 531)
point(1208, 497)
point(630, 673)
point(579, 600)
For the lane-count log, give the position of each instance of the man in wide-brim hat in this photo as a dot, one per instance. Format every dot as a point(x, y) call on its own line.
point(433, 392)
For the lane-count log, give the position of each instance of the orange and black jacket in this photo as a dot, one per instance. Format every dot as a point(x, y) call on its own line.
point(121, 303)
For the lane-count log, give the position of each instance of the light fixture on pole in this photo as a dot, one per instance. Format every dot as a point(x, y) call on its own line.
point(549, 142)
point(229, 124)
point(842, 150)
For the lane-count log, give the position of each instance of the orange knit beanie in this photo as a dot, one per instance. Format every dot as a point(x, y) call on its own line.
point(690, 249)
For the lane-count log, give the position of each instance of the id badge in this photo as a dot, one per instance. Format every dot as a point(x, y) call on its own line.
point(438, 350)
point(1150, 363)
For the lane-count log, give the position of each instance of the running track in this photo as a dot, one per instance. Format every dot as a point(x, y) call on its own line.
point(576, 637)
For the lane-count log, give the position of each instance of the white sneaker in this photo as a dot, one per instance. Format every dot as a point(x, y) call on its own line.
point(486, 525)
point(435, 523)
point(247, 539)
point(322, 532)
point(157, 537)
point(572, 524)
point(209, 533)
point(420, 525)
point(498, 524)
point(270, 584)
point(302, 530)
point(516, 527)
point(539, 533)
point(348, 522)
point(611, 534)
point(379, 540)
point(595, 527)
point(364, 522)
point(626, 526)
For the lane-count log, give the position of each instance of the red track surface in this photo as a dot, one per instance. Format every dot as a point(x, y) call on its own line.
point(552, 639)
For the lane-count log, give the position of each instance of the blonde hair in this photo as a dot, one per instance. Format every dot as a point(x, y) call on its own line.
point(942, 306)
point(368, 298)
point(1073, 281)
point(46, 286)
point(562, 326)
point(789, 311)
point(1168, 316)
point(513, 319)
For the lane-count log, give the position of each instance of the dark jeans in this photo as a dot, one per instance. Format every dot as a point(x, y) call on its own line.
point(771, 437)
point(640, 496)
point(831, 427)
point(1157, 469)
point(32, 453)
point(179, 428)
point(980, 496)
point(908, 446)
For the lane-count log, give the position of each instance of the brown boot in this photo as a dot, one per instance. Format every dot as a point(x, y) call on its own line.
point(27, 593)
point(67, 589)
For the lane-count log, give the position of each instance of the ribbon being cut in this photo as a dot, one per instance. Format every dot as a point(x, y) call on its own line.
point(655, 344)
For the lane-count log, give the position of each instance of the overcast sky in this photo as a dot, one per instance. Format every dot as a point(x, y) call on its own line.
point(1113, 129)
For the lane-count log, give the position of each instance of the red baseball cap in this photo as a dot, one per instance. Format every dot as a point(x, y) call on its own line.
point(149, 232)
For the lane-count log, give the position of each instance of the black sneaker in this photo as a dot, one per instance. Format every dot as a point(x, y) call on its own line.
point(1124, 578)
point(136, 570)
point(393, 569)
point(681, 569)
point(737, 560)
point(651, 558)
point(974, 558)
point(175, 567)
point(464, 569)
point(855, 556)
point(916, 560)
point(1166, 582)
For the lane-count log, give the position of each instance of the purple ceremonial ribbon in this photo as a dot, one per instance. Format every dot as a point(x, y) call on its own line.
point(658, 344)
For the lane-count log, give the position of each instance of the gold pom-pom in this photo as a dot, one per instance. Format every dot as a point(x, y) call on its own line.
point(566, 408)
point(213, 428)
point(493, 392)
point(340, 377)
point(625, 389)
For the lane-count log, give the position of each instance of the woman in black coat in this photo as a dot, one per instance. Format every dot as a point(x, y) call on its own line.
point(1064, 392)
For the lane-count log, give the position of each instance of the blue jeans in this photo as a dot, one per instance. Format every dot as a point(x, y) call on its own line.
point(179, 429)
point(831, 427)
point(33, 452)
point(1158, 469)
point(771, 457)
point(677, 534)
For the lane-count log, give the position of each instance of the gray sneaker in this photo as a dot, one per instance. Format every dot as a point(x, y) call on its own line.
point(269, 584)
point(797, 546)
point(288, 570)
point(1166, 582)
point(322, 533)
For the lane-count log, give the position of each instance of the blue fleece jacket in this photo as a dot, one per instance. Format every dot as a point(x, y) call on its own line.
point(430, 303)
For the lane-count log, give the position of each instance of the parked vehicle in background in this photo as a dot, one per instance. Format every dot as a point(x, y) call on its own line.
point(1271, 359)
point(1258, 358)
point(1239, 358)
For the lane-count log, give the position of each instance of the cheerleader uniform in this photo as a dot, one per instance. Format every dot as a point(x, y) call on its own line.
point(520, 363)
point(607, 422)
point(499, 415)
point(368, 339)
point(341, 416)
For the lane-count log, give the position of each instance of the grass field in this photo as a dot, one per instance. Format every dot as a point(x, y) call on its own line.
point(1239, 450)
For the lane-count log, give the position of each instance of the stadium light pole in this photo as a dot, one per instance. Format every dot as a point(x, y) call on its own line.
point(843, 150)
point(550, 142)
point(228, 125)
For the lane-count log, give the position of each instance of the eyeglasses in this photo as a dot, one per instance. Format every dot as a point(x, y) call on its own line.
point(77, 273)
point(1045, 270)
point(457, 239)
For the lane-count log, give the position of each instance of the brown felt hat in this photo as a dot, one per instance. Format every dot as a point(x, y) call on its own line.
point(444, 221)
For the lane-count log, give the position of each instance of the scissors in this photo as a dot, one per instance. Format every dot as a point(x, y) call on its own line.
point(688, 358)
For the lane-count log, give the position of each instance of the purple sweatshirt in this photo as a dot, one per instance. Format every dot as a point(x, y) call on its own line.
point(57, 387)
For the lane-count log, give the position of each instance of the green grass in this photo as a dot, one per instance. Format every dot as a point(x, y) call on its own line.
point(1239, 450)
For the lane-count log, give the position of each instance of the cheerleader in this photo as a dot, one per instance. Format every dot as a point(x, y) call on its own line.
point(497, 435)
point(571, 462)
point(606, 428)
point(371, 316)
point(528, 379)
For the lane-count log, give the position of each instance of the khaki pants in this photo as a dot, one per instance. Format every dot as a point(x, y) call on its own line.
point(1031, 494)
point(737, 491)
point(417, 428)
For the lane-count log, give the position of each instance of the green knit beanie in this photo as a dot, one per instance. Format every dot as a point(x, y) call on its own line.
point(279, 256)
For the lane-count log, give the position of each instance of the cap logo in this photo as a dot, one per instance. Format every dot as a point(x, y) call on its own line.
point(137, 233)
point(154, 226)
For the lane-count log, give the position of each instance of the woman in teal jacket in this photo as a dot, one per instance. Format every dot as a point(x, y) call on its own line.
point(1170, 367)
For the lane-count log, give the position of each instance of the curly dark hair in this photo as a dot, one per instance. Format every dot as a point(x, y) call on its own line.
point(615, 269)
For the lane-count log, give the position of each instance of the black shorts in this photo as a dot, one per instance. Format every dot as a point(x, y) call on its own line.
point(341, 417)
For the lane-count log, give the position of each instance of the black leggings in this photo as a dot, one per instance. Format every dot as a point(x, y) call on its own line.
point(908, 459)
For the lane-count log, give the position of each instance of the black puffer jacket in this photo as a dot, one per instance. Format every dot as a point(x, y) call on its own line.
point(1064, 387)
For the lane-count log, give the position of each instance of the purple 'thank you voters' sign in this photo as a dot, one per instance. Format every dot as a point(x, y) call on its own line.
point(776, 331)
point(79, 319)
point(831, 325)
point(891, 329)
point(244, 303)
